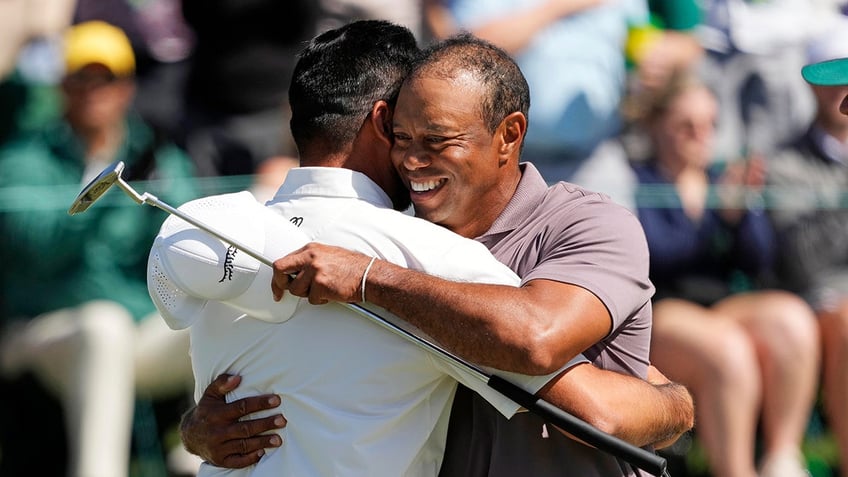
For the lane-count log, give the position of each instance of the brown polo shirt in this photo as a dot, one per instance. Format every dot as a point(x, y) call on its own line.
point(571, 235)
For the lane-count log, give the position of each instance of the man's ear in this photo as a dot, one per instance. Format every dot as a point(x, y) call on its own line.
point(381, 121)
point(511, 135)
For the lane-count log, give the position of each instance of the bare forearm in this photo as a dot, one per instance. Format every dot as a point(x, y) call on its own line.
point(675, 414)
point(533, 329)
point(624, 406)
point(486, 324)
point(516, 30)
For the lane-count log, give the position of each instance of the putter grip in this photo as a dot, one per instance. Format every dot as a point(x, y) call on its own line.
point(641, 458)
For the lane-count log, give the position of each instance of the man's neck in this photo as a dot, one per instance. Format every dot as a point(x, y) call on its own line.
point(838, 131)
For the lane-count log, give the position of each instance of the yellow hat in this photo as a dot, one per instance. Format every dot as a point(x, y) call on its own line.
point(101, 43)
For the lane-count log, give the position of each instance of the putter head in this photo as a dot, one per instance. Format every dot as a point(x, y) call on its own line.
point(97, 187)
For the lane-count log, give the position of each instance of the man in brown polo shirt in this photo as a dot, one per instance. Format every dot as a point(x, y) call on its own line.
point(583, 260)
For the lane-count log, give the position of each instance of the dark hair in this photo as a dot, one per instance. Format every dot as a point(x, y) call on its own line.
point(339, 76)
point(506, 88)
point(646, 106)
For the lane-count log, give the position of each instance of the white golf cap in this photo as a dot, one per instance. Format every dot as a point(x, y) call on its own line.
point(188, 267)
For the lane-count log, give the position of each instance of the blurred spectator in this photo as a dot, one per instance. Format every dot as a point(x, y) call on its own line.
point(810, 212)
point(655, 52)
point(25, 25)
point(408, 13)
point(162, 43)
point(75, 308)
point(24, 20)
point(748, 355)
point(236, 90)
point(664, 45)
point(754, 51)
point(572, 54)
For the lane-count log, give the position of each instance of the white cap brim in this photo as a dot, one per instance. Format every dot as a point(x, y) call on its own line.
point(188, 267)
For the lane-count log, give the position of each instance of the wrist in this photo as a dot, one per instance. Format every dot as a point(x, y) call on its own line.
point(364, 282)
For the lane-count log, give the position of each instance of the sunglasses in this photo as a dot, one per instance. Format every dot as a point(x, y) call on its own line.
point(89, 79)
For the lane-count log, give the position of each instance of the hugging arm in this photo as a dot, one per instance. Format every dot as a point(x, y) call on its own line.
point(639, 412)
point(655, 412)
point(214, 430)
point(557, 320)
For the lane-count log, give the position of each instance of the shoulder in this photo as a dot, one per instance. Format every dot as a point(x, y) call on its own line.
point(418, 244)
point(403, 226)
point(591, 226)
point(569, 206)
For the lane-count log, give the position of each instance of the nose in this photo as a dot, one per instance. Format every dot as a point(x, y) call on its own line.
point(415, 158)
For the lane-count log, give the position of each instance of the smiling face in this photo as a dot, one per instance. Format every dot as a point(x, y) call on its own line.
point(459, 173)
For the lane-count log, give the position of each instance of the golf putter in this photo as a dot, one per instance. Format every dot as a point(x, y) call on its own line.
point(641, 458)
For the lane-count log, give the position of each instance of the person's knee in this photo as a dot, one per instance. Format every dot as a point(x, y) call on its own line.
point(791, 330)
point(162, 362)
point(106, 323)
point(732, 359)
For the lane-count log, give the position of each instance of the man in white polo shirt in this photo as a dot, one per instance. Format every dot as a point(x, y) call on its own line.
point(359, 399)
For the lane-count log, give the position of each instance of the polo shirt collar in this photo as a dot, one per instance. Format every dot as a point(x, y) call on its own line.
point(332, 182)
point(529, 193)
point(831, 148)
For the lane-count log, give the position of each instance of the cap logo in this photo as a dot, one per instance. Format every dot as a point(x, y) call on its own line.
point(229, 260)
point(298, 221)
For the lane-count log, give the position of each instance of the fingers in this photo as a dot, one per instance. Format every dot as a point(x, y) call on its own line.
point(245, 406)
point(244, 451)
point(301, 284)
point(230, 444)
point(223, 384)
point(239, 453)
point(215, 431)
point(280, 279)
point(288, 269)
point(321, 273)
point(239, 461)
point(251, 429)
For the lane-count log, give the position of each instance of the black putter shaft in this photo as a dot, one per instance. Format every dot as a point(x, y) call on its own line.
point(641, 458)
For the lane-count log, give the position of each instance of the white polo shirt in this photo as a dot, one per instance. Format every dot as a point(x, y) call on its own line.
point(359, 400)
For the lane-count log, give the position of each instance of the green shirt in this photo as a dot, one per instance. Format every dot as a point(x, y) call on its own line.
point(52, 260)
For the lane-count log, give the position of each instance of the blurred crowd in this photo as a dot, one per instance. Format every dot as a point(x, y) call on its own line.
point(693, 114)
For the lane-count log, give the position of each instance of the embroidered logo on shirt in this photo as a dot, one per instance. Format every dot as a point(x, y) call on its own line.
point(228, 263)
point(296, 220)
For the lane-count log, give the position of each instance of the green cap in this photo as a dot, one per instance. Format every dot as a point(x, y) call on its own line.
point(827, 73)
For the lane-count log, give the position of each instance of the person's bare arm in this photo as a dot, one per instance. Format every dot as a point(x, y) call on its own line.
point(514, 31)
point(214, 430)
point(533, 329)
point(673, 52)
point(631, 409)
point(640, 412)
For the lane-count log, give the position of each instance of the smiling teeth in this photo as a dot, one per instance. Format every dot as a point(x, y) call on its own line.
point(424, 186)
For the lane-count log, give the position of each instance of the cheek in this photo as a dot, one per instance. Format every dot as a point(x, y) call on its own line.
point(396, 156)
